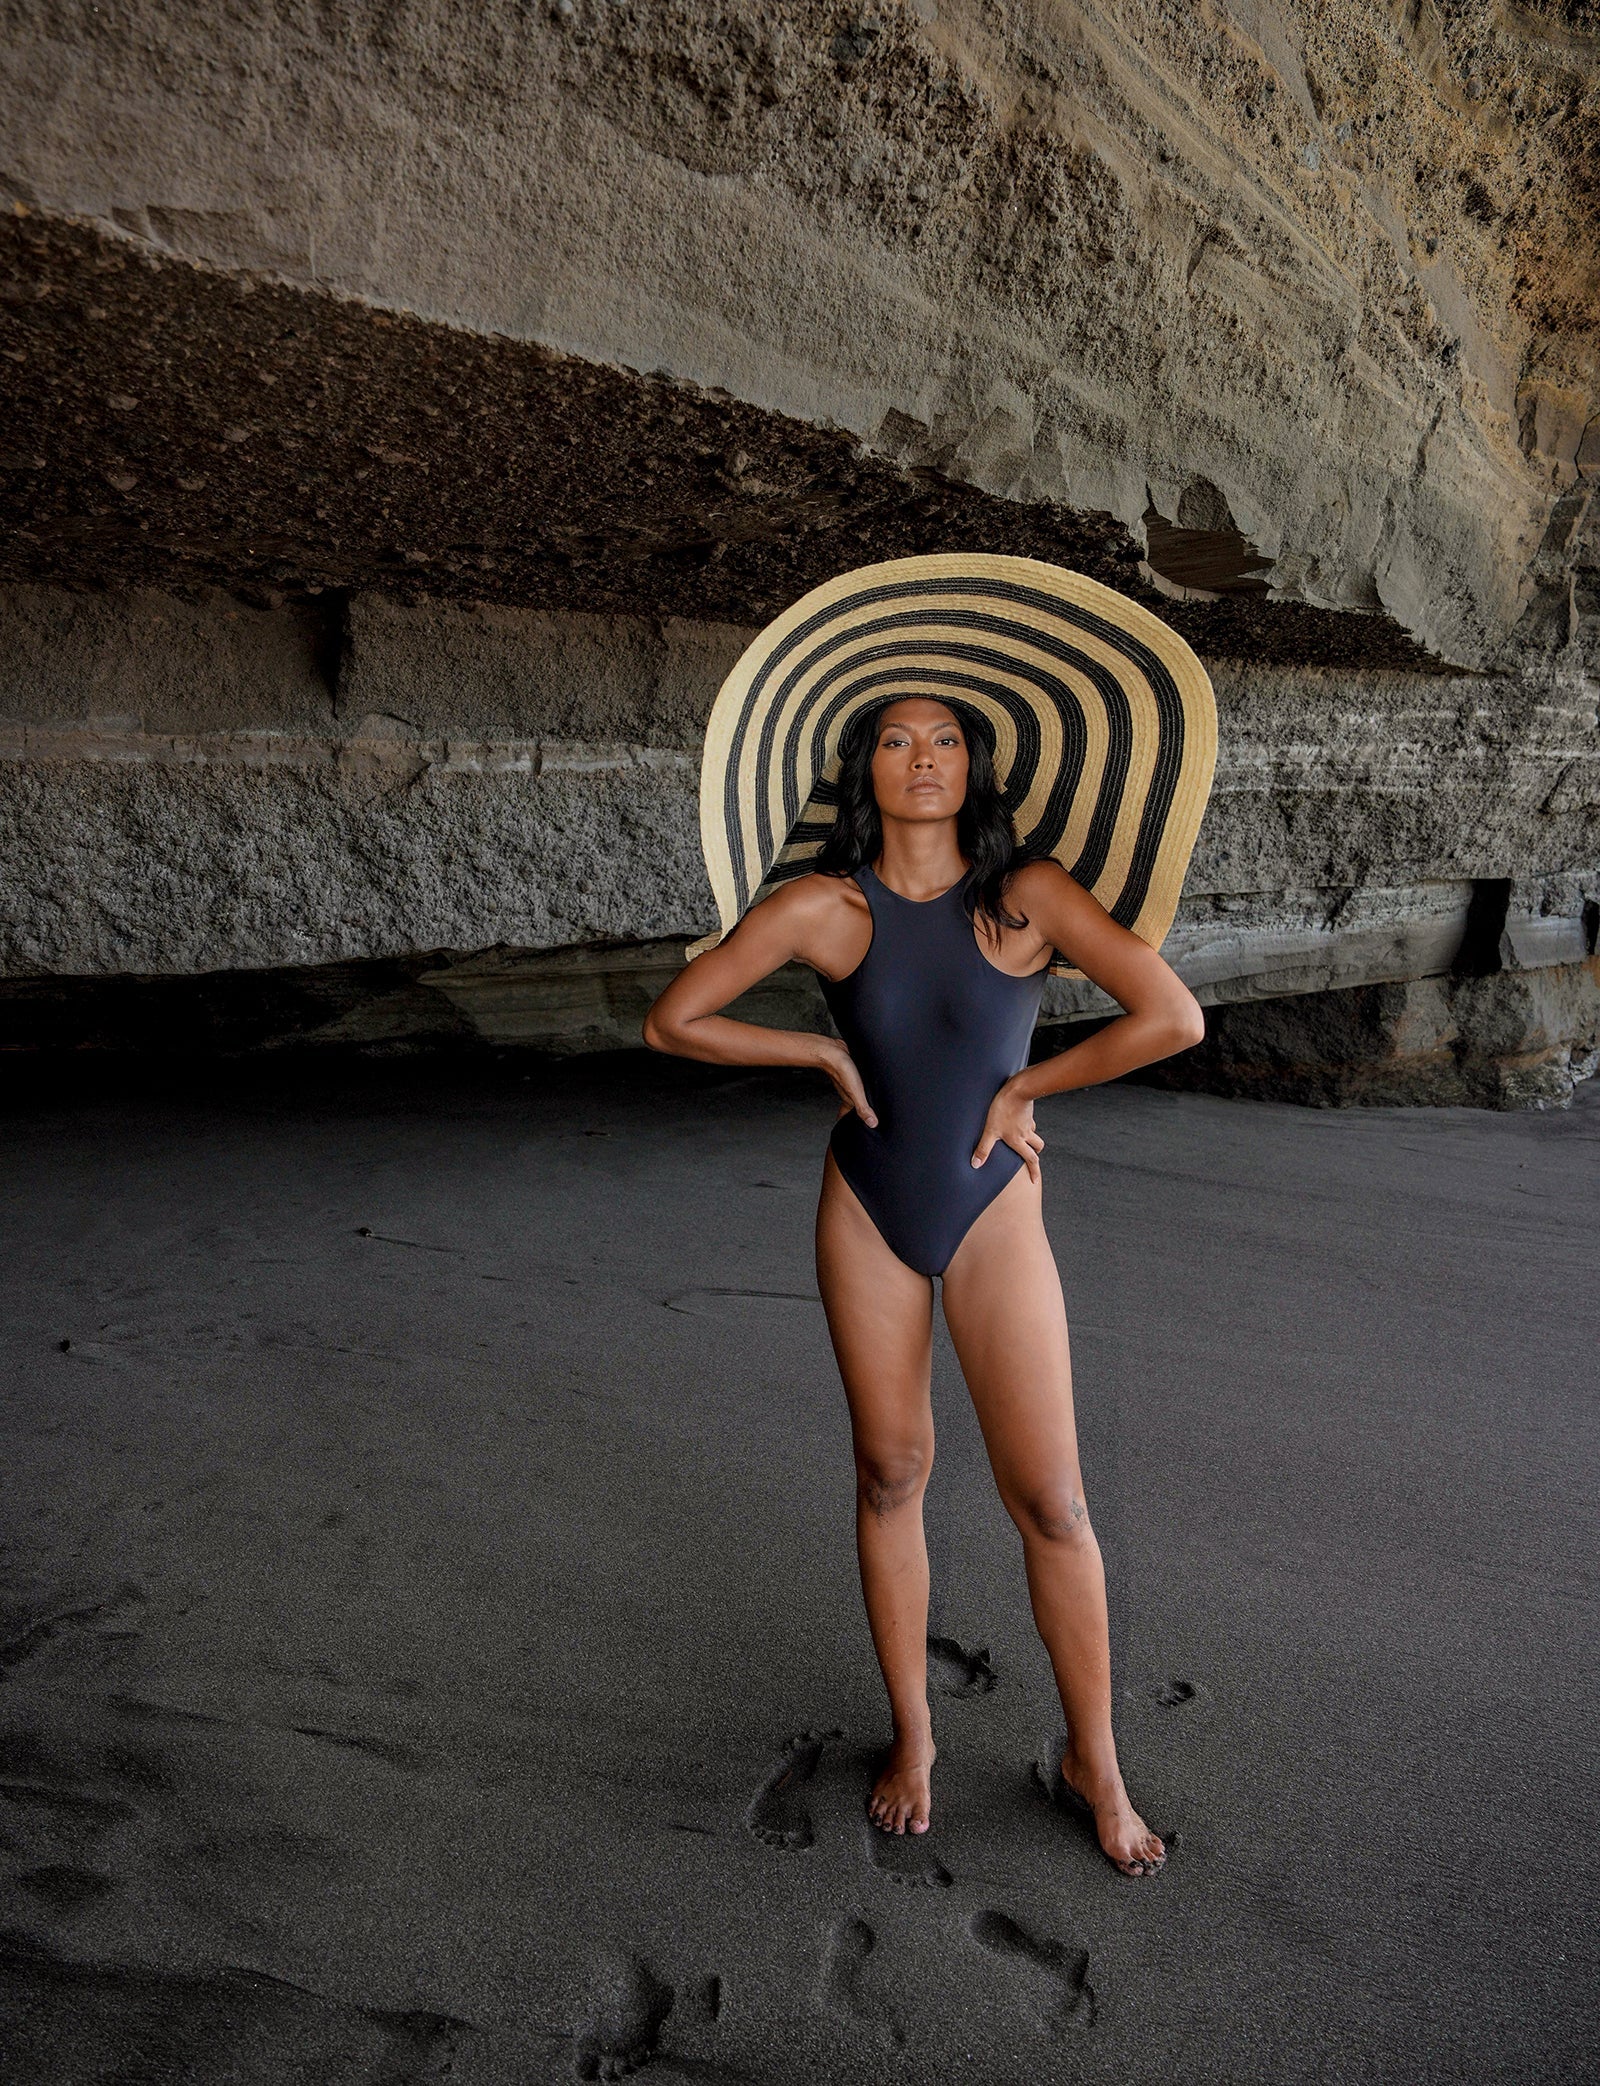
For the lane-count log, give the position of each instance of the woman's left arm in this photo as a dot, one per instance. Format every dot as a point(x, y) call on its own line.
point(1161, 1015)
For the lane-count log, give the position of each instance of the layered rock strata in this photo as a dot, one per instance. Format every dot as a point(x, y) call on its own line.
point(409, 413)
point(1516, 1039)
point(1336, 266)
point(173, 425)
point(388, 827)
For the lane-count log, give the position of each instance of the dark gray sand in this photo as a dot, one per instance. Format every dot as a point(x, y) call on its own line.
point(432, 1646)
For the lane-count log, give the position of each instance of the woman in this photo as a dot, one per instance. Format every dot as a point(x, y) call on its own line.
point(931, 941)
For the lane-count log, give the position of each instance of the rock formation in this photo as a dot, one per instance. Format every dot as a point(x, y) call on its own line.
point(410, 411)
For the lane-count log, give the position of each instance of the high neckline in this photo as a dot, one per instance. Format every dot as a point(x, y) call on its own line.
point(904, 900)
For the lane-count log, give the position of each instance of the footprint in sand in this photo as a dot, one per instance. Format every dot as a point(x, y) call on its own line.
point(843, 1986)
point(73, 1630)
point(952, 1670)
point(1174, 1694)
point(1059, 1974)
point(700, 2002)
point(906, 1858)
point(779, 1814)
point(1047, 1779)
point(628, 2009)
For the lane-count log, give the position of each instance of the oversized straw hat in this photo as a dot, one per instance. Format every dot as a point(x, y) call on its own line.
point(1104, 723)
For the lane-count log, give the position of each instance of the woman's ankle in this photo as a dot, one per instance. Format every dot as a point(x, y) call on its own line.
point(912, 1727)
point(1093, 1771)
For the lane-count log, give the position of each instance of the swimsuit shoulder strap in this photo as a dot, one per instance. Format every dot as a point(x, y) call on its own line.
point(871, 886)
point(872, 889)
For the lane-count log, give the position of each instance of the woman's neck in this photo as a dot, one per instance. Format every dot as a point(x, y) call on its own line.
point(921, 859)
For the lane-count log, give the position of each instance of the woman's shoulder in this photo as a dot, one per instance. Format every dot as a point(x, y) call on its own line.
point(1039, 878)
point(820, 887)
point(815, 896)
point(1046, 895)
point(820, 918)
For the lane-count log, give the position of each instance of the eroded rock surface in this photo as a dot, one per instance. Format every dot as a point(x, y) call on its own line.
point(1336, 264)
point(411, 413)
point(368, 822)
point(177, 426)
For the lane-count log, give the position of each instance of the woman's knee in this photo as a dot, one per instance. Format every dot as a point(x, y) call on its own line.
point(891, 1477)
point(1051, 1513)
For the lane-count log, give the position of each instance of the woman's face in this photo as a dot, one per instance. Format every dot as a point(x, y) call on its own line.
point(919, 767)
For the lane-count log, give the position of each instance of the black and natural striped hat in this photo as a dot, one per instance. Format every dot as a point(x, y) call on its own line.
point(1105, 726)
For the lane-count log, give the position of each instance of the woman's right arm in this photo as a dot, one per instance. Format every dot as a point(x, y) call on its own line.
point(687, 1021)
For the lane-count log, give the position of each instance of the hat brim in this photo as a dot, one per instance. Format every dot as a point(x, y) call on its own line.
point(1104, 721)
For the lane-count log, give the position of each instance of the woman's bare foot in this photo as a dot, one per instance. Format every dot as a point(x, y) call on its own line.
point(1124, 1837)
point(902, 1796)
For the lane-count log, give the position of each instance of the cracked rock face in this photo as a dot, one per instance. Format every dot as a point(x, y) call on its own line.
point(1332, 267)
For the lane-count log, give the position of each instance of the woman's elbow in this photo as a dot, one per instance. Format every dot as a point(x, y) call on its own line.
point(1188, 1024)
point(657, 1035)
point(1175, 1024)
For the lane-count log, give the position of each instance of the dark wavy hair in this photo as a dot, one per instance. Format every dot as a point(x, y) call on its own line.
point(985, 832)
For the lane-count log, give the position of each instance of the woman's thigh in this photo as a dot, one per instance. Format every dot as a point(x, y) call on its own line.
point(1008, 1321)
point(880, 1319)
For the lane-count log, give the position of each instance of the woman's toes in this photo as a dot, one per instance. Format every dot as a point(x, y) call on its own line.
point(1147, 1857)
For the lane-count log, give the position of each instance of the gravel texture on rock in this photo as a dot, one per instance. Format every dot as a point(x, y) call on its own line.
point(211, 430)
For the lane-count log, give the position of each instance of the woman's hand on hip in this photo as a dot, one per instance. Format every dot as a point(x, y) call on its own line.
point(1010, 1121)
point(840, 1067)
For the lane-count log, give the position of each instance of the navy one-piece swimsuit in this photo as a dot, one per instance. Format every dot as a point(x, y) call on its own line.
point(936, 1031)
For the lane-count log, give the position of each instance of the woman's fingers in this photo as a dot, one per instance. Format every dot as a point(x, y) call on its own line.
point(1023, 1147)
point(1024, 1141)
point(857, 1094)
point(847, 1084)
